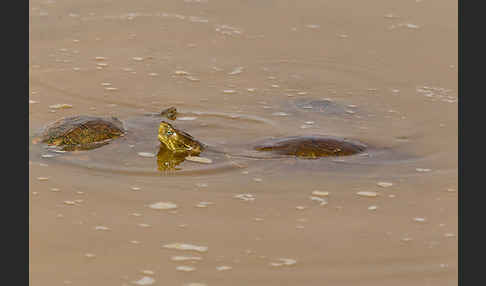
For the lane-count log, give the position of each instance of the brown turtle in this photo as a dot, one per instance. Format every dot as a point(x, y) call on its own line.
point(81, 132)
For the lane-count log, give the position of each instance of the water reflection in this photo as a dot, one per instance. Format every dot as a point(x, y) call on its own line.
point(168, 160)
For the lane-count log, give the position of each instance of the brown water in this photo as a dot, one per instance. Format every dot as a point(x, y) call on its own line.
point(384, 72)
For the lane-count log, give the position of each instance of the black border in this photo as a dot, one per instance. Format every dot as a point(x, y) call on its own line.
point(460, 144)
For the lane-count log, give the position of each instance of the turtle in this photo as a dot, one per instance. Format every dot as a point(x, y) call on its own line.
point(311, 147)
point(83, 132)
point(178, 141)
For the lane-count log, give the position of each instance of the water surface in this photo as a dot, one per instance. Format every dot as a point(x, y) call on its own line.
point(379, 72)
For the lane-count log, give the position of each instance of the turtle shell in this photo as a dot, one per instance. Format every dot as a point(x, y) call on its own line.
point(82, 132)
point(311, 146)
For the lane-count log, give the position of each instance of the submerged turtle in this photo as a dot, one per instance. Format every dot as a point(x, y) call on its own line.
point(90, 132)
point(311, 146)
point(81, 132)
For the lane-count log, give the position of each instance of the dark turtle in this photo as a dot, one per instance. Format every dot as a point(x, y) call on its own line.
point(311, 146)
point(81, 132)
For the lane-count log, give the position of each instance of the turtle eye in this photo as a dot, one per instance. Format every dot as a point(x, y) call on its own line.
point(170, 132)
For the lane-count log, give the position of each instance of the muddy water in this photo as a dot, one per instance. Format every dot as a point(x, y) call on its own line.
point(241, 71)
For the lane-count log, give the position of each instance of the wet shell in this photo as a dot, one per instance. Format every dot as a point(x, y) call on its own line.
point(311, 146)
point(81, 132)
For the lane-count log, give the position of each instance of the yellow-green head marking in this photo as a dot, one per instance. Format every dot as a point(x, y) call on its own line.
point(178, 141)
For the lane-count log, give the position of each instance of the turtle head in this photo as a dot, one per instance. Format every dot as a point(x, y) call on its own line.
point(178, 141)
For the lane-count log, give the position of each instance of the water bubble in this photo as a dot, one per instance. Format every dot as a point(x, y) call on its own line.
point(199, 159)
point(70, 203)
point(144, 225)
point(223, 268)
point(284, 262)
point(185, 258)
point(280, 114)
point(367, 194)
point(180, 72)
point(390, 16)
point(60, 106)
point(163, 206)
point(186, 246)
point(245, 197)
point(423, 170)
point(236, 70)
point(320, 193)
point(186, 118)
point(384, 184)
point(185, 268)
point(191, 78)
point(203, 204)
point(412, 26)
point(321, 201)
point(145, 280)
point(146, 154)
